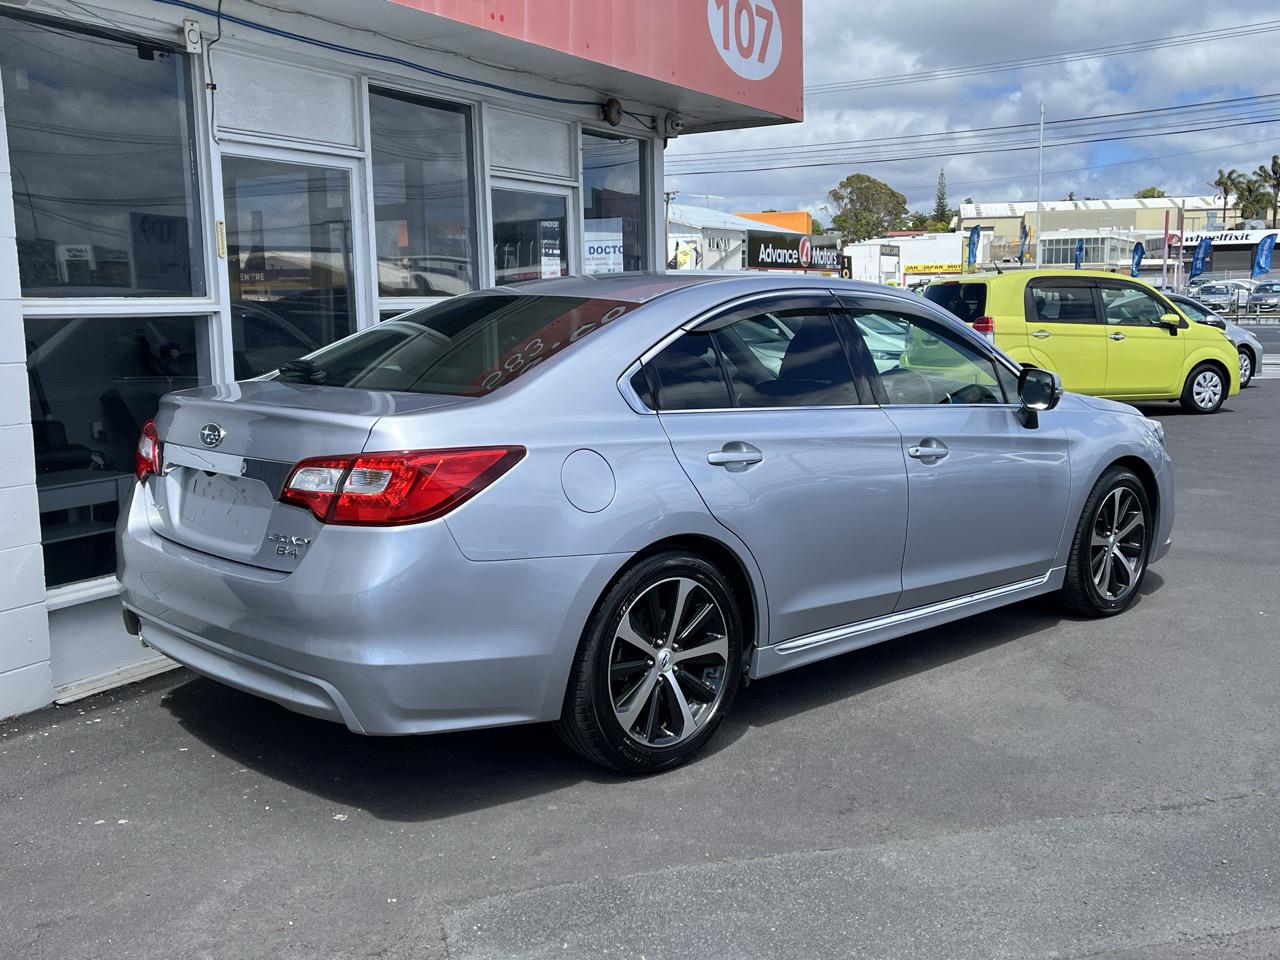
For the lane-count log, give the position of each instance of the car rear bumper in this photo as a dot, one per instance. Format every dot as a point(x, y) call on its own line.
point(430, 643)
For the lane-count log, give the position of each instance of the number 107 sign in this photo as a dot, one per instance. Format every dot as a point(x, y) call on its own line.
point(747, 34)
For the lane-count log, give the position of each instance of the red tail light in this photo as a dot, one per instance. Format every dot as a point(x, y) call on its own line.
point(985, 326)
point(409, 486)
point(146, 458)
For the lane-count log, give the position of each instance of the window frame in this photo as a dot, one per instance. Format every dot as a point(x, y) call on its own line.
point(950, 328)
point(212, 326)
point(744, 308)
point(1120, 284)
point(1091, 284)
point(648, 227)
point(371, 86)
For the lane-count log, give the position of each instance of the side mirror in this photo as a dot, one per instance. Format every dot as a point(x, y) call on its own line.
point(1171, 322)
point(1038, 390)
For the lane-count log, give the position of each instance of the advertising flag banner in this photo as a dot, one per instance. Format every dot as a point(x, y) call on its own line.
point(1022, 242)
point(1262, 257)
point(1139, 251)
point(974, 235)
point(1200, 256)
point(1079, 252)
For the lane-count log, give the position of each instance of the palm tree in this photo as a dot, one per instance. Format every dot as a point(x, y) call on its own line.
point(1227, 182)
point(1269, 174)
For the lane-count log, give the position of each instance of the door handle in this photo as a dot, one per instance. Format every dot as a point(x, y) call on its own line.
point(1116, 336)
point(735, 455)
point(928, 450)
point(1042, 334)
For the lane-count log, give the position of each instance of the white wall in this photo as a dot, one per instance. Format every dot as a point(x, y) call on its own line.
point(24, 633)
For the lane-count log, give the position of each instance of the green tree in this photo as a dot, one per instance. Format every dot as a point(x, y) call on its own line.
point(1149, 193)
point(941, 211)
point(864, 207)
point(1269, 174)
point(1227, 182)
point(1253, 198)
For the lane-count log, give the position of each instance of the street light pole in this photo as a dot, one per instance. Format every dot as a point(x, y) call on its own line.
point(1039, 183)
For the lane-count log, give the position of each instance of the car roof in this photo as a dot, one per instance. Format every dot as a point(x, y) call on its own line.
point(640, 287)
point(1014, 276)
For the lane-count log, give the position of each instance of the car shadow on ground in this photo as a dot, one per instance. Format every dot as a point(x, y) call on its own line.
point(432, 777)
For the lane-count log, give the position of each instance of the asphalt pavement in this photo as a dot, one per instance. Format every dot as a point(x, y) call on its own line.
point(1014, 785)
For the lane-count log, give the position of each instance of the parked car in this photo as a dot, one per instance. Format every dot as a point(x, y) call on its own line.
point(1265, 297)
point(1248, 346)
point(1106, 335)
point(1218, 297)
point(595, 502)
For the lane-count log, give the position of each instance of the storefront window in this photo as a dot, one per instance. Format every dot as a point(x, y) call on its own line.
point(422, 197)
point(288, 259)
point(613, 204)
point(103, 164)
point(530, 235)
point(85, 421)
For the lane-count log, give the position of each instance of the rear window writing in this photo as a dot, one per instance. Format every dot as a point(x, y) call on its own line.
point(468, 346)
point(968, 301)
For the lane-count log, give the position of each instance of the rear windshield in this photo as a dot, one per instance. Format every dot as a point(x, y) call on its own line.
point(468, 346)
point(968, 301)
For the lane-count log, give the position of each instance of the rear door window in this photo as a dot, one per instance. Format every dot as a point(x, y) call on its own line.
point(1061, 302)
point(790, 358)
point(968, 301)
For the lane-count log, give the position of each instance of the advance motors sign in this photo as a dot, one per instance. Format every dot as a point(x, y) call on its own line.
point(791, 251)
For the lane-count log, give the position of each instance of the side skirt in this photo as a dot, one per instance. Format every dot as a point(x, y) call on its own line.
point(812, 647)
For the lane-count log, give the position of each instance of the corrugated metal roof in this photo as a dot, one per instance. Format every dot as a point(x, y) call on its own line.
point(705, 217)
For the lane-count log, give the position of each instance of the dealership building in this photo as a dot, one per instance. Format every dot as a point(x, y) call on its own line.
point(195, 192)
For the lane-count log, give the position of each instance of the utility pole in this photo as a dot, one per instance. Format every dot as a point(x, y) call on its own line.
point(1039, 183)
point(668, 196)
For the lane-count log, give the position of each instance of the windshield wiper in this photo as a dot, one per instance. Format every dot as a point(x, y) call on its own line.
point(307, 370)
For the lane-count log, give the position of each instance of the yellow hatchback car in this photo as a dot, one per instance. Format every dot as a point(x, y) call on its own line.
point(1105, 334)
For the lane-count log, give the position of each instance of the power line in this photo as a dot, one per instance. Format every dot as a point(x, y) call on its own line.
point(1070, 56)
point(1195, 107)
point(934, 154)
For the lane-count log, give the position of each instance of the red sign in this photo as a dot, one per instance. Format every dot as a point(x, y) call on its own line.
point(746, 51)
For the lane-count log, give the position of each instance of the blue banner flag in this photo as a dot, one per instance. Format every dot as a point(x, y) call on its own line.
point(1262, 258)
point(1139, 251)
point(974, 234)
point(1022, 242)
point(1079, 252)
point(1201, 255)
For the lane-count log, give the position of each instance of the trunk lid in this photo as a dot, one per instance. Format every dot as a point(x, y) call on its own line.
point(228, 449)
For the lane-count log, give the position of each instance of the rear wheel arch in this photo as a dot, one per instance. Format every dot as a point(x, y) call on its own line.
point(728, 562)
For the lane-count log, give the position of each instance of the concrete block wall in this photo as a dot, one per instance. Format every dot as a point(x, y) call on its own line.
point(25, 679)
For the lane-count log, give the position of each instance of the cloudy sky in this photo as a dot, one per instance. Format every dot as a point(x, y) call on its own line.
point(845, 40)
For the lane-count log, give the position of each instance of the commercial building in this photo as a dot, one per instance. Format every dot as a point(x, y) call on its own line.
point(913, 259)
point(793, 221)
point(699, 238)
point(1104, 249)
point(1005, 221)
point(195, 192)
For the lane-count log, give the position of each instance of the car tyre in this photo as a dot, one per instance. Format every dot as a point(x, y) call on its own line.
point(1205, 389)
point(1246, 367)
point(658, 666)
point(1112, 545)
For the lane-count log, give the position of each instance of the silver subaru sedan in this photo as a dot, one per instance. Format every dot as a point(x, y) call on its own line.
point(608, 502)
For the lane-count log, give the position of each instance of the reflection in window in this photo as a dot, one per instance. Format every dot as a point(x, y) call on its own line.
point(288, 259)
point(102, 161)
point(791, 358)
point(530, 234)
point(613, 204)
point(85, 421)
point(422, 196)
point(921, 362)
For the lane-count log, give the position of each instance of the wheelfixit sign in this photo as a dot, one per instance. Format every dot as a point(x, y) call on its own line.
point(791, 251)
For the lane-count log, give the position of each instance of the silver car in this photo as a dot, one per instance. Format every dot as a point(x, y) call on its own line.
point(1248, 346)
point(609, 502)
point(1265, 297)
